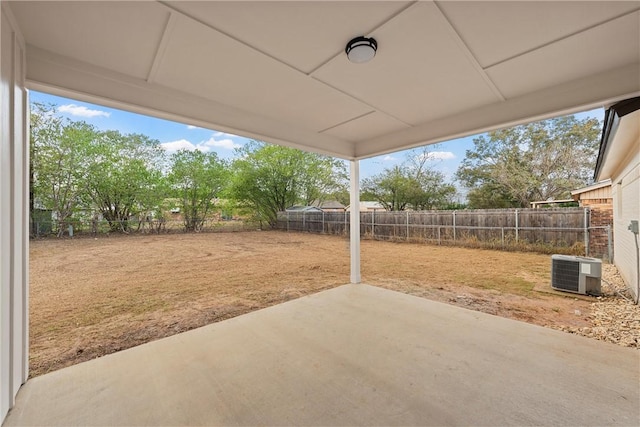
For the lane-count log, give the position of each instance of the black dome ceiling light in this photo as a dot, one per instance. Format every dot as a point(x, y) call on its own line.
point(361, 49)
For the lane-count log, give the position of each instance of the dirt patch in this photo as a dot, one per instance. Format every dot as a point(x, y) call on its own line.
point(91, 297)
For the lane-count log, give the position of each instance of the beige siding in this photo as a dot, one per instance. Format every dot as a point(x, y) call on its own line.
point(598, 193)
point(626, 207)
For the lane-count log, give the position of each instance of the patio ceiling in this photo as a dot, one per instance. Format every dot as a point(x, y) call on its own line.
point(277, 71)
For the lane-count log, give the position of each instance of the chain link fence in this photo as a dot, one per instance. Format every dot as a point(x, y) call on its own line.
point(565, 230)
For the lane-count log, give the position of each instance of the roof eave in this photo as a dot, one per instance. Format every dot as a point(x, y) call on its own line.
point(611, 121)
point(592, 187)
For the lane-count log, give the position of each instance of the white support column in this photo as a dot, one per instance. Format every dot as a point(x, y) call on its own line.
point(14, 198)
point(355, 221)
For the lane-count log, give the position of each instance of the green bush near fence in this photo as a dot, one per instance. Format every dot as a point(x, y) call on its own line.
point(45, 228)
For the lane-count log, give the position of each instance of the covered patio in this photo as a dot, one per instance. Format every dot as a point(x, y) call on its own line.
point(353, 355)
point(278, 72)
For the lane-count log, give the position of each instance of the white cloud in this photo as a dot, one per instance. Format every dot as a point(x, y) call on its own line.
point(389, 159)
point(183, 144)
point(441, 155)
point(204, 146)
point(226, 143)
point(219, 134)
point(191, 127)
point(81, 111)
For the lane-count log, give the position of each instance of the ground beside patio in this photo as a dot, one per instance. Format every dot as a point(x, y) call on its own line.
point(94, 297)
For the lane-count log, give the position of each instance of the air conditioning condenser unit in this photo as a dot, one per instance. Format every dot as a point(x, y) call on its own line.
point(580, 275)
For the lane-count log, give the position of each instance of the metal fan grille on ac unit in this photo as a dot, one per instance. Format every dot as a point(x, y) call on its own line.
point(566, 275)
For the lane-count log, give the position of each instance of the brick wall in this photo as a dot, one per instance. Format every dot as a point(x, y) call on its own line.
point(601, 211)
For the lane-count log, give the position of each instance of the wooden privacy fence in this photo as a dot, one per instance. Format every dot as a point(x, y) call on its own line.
point(554, 230)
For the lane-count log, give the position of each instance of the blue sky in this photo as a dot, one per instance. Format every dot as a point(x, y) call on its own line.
point(174, 136)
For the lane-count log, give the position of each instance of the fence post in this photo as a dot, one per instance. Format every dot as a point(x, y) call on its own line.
point(609, 247)
point(373, 224)
point(304, 221)
point(288, 220)
point(322, 222)
point(502, 240)
point(586, 232)
point(346, 214)
point(407, 226)
point(517, 226)
point(454, 226)
point(439, 235)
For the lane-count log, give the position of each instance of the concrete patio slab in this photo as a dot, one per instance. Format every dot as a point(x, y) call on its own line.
point(353, 355)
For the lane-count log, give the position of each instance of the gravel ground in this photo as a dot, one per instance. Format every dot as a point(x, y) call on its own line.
point(614, 316)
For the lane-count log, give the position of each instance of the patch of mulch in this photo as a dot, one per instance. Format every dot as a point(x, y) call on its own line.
point(615, 318)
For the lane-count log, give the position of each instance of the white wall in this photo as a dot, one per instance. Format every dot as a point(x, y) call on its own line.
point(14, 196)
point(626, 206)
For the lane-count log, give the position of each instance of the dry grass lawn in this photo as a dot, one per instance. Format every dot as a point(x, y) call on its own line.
point(90, 297)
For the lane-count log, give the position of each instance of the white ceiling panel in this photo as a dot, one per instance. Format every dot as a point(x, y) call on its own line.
point(366, 127)
point(301, 34)
point(496, 31)
point(204, 62)
point(276, 70)
point(120, 36)
point(614, 44)
point(411, 78)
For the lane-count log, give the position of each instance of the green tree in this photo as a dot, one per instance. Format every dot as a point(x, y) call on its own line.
point(415, 184)
point(538, 161)
point(431, 191)
point(124, 177)
point(270, 178)
point(58, 163)
point(320, 177)
point(398, 189)
point(197, 178)
point(393, 188)
point(490, 196)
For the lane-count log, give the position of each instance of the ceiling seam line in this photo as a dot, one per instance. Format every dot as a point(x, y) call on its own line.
point(347, 121)
point(469, 55)
point(412, 4)
point(375, 27)
point(143, 85)
point(162, 47)
point(224, 33)
point(362, 101)
point(558, 109)
point(138, 83)
point(568, 36)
